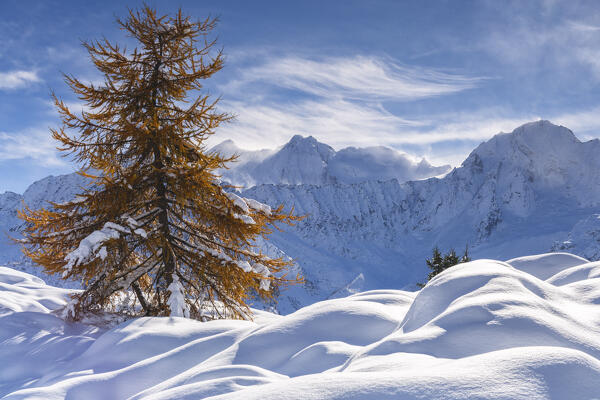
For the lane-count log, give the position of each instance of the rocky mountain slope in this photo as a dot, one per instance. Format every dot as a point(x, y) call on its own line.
point(516, 193)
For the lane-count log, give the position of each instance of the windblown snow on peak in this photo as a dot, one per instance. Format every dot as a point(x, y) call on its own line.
point(485, 329)
point(305, 160)
point(547, 156)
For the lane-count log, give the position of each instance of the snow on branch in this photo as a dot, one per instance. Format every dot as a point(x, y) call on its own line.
point(265, 284)
point(257, 268)
point(92, 246)
point(244, 218)
point(258, 206)
point(247, 204)
point(77, 200)
point(238, 201)
point(176, 301)
point(135, 227)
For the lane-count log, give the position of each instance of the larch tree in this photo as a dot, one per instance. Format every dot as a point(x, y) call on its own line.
point(155, 220)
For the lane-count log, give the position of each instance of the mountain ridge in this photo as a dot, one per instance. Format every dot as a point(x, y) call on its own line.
point(306, 160)
point(518, 193)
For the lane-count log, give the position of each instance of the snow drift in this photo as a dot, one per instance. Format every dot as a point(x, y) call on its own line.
point(524, 329)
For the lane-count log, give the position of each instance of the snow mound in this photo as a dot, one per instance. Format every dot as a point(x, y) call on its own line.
point(484, 329)
point(577, 273)
point(543, 266)
point(22, 292)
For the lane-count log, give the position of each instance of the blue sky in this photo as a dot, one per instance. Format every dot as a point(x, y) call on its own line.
point(430, 78)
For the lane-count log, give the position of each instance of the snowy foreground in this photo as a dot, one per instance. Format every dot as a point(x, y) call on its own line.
point(525, 329)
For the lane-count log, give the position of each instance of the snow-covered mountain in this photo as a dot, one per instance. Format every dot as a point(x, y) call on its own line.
point(525, 329)
point(50, 189)
point(583, 239)
point(519, 193)
point(304, 160)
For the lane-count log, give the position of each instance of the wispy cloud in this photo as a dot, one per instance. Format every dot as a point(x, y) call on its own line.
point(35, 144)
point(340, 123)
point(345, 103)
point(441, 138)
point(358, 78)
point(335, 121)
point(338, 100)
point(585, 123)
point(17, 79)
point(561, 43)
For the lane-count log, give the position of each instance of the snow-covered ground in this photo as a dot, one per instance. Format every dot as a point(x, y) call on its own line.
point(528, 329)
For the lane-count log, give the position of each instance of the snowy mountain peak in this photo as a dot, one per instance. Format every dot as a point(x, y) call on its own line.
point(545, 128)
point(534, 139)
point(543, 156)
point(301, 160)
point(307, 146)
point(542, 134)
point(305, 160)
point(299, 139)
point(54, 188)
point(227, 148)
point(227, 142)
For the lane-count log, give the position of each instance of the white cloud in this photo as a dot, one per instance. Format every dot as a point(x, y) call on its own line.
point(534, 43)
point(36, 144)
point(585, 123)
point(17, 79)
point(341, 102)
point(345, 108)
point(357, 78)
point(441, 138)
point(336, 121)
point(345, 104)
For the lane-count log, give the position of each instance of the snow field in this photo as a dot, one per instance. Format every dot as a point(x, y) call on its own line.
point(528, 328)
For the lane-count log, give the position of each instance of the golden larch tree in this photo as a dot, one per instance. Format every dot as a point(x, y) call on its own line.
point(155, 220)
